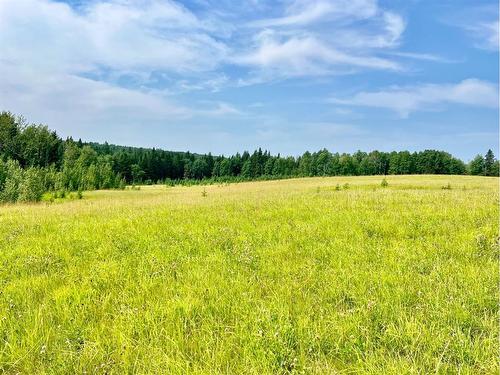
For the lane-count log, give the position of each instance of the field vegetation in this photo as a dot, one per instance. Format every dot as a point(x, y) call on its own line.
point(329, 275)
point(35, 160)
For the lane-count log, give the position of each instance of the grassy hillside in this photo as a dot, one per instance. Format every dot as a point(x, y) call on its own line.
point(305, 275)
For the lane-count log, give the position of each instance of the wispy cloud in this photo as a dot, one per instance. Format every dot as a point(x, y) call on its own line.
point(486, 34)
point(94, 64)
point(306, 55)
point(304, 12)
point(139, 38)
point(321, 37)
point(479, 22)
point(121, 35)
point(405, 100)
point(381, 32)
point(422, 56)
point(71, 102)
point(219, 109)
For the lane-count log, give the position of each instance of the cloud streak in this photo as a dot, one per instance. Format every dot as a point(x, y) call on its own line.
point(479, 22)
point(304, 55)
point(301, 12)
point(486, 34)
point(405, 100)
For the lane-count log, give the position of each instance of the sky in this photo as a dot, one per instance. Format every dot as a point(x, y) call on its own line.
point(224, 76)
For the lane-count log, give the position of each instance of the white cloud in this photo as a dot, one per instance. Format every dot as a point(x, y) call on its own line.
point(486, 34)
point(394, 25)
point(211, 84)
point(494, 30)
point(405, 100)
point(121, 35)
point(317, 37)
point(306, 55)
point(79, 101)
point(304, 12)
point(220, 109)
point(422, 56)
point(76, 105)
point(49, 50)
point(114, 38)
point(480, 23)
point(384, 33)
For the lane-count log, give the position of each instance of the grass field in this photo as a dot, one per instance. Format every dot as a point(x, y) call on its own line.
point(265, 277)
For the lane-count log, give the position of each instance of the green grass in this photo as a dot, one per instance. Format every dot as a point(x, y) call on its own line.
point(264, 277)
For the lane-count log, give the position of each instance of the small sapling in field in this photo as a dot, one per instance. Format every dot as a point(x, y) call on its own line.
point(384, 183)
point(204, 193)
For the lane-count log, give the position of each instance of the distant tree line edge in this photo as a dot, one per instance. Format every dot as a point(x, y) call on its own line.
point(35, 160)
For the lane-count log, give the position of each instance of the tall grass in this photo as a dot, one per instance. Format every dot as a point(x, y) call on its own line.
point(292, 276)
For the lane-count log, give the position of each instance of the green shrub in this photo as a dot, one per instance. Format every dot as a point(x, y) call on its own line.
point(32, 186)
point(122, 184)
point(13, 179)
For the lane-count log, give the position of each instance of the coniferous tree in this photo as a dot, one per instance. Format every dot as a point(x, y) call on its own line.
point(489, 163)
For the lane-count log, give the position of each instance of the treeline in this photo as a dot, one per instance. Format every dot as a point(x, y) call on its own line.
point(138, 165)
point(34, 160)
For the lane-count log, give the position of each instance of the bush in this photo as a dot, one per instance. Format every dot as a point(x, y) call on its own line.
point(122, 184)
point(13, 179)
point(21, 185)
point(3, 174)
point(384, 183)
point(32, 186)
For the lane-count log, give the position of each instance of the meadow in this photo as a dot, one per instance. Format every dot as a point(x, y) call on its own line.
point(334, 275)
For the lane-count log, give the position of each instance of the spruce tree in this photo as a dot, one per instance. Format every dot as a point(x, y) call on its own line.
point(489, 163)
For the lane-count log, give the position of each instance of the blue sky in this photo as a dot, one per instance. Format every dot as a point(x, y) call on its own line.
point(223, 76)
